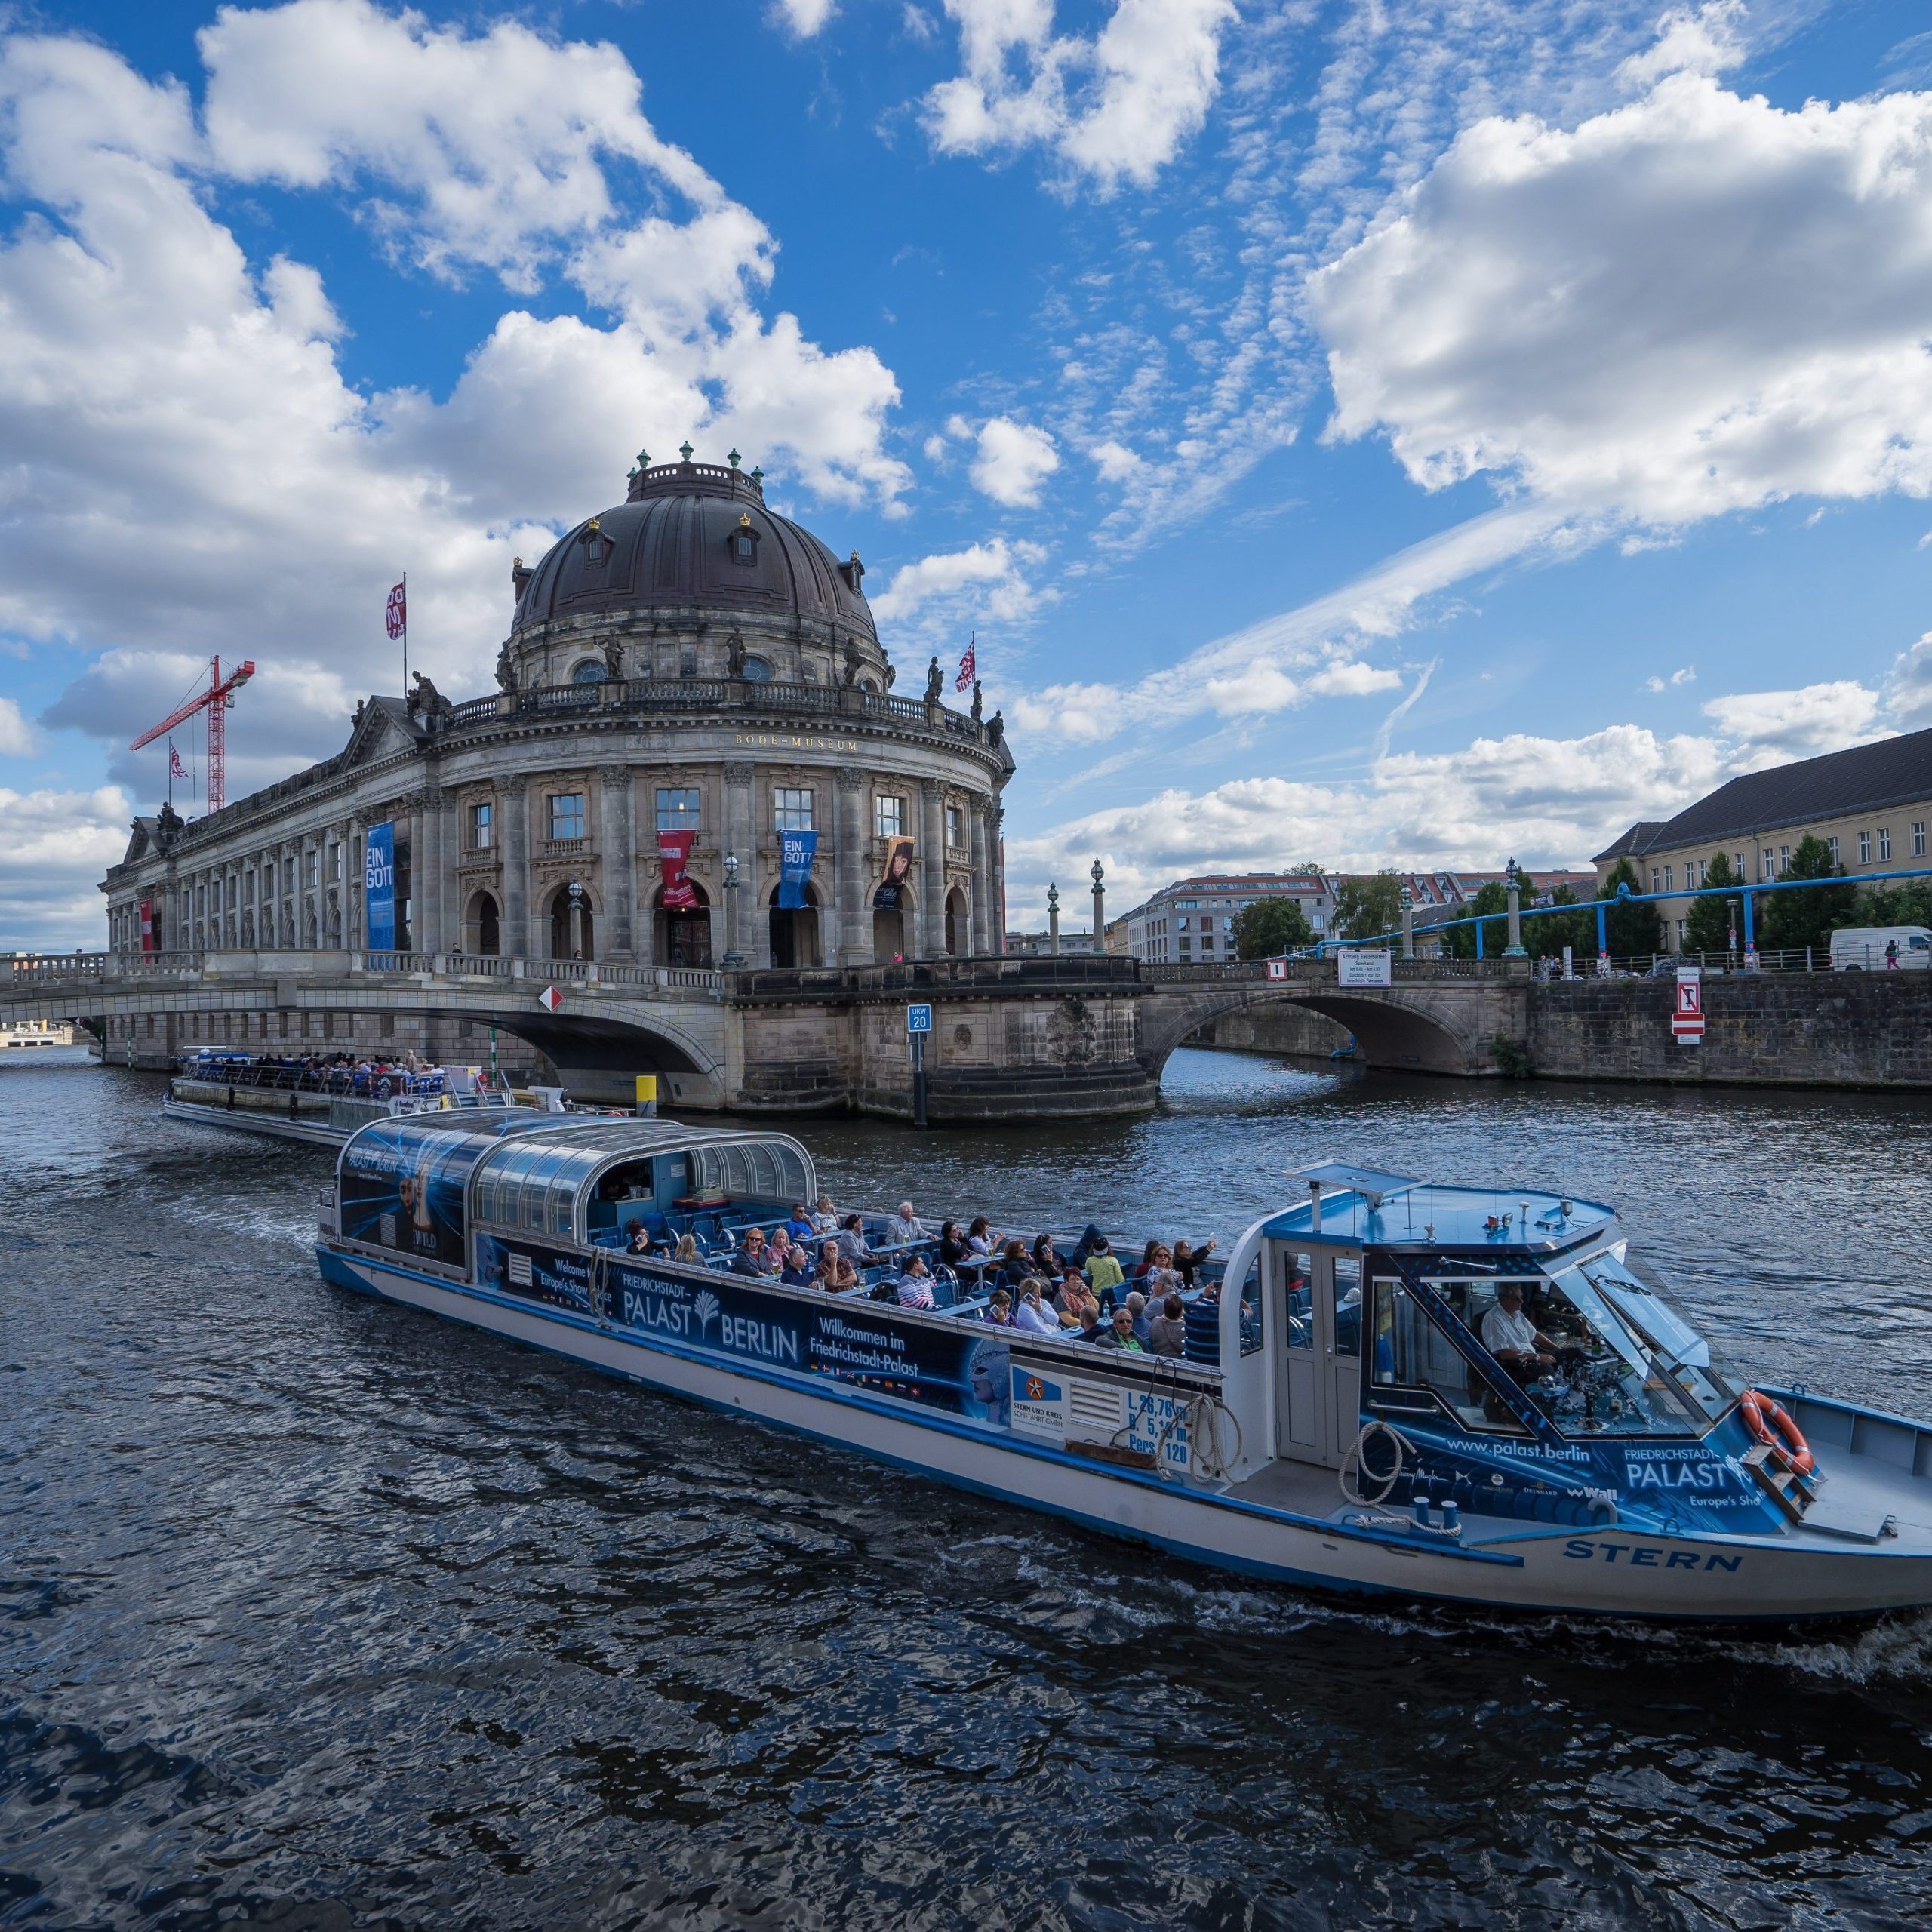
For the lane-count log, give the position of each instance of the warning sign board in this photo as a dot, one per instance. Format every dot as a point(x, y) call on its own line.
point(549, 999)
point(1686, 1023)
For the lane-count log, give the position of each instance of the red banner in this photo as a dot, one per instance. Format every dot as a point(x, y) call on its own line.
point(149, 943)
point(674, 854)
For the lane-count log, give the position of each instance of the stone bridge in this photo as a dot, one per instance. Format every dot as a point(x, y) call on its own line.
point(1011, 1038)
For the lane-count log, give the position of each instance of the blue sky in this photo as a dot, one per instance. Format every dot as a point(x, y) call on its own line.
point(1381, 435)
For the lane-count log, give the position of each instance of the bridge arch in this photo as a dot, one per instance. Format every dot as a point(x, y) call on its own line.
point(1396, 1030)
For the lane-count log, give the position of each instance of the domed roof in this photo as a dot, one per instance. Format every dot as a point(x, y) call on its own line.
point(694, 534)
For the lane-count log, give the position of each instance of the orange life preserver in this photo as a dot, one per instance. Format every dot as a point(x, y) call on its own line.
point(1767, 1420)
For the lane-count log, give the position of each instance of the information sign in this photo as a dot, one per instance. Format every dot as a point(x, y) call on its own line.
point(1686, 1023)
point(1278, 969)
point(1359, 966)
point(918, 1019)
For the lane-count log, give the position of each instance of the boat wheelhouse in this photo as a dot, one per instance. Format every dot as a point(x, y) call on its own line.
point(1349, 1411)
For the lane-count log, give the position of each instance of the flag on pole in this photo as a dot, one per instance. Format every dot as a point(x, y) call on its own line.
point(398, 610)
point(969, 666)
point(175, 767)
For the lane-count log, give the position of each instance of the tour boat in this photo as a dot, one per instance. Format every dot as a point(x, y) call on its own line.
point(1336, 1422)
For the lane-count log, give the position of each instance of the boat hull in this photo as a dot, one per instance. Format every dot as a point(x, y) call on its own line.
point(1598, 1572)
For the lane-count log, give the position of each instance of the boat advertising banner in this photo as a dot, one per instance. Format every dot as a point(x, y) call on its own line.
point(674, 854)
point(379, 885)
point(796, 850)
point(149, 942)
point(964, 1370)
point(402, 1188)
point(898, 863)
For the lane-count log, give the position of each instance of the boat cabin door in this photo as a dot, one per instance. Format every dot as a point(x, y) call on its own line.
point(1317, 1311)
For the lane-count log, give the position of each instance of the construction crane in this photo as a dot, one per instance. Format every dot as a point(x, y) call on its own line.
point(215, 701)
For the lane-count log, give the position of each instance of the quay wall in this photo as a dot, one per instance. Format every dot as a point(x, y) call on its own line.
point(1776, 1030)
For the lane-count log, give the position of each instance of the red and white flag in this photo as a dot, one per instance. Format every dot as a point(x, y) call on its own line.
point(175, 767)
point(398, 610)
point(969, 666)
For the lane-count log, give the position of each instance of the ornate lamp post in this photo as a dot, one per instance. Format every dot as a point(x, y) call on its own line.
point(1053, 920)
point(576, 918)
point(1099, 876)
point(1408, 924)
point(734, 960)
point(1514, 875)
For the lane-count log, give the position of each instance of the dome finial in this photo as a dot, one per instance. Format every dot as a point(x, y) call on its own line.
point(643, 459)
point(685, 449)
point(731, 457)
point(758, 477)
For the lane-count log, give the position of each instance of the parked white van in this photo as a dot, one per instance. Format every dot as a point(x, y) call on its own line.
point(1864, 948)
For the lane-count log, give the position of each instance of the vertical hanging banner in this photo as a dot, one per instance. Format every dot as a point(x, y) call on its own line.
point(1686, 1023)
point(898, 863)
point(674, 854)
point(379, 886)
point(796, 850)
point(149, 942)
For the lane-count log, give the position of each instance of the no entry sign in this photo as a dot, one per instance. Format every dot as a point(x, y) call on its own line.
point(1687, 1023)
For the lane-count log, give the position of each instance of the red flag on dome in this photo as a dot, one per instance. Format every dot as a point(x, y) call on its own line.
point(969, 666)
point(398, 610)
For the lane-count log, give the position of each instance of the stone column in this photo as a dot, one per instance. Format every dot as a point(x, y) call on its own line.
point(354, 862)
point(853, 932)
point(513, 794)
point(982, 943)
point(1053, 921)
point(930, 941)
point(427, 881)
point(753, 933)
point(616, 828)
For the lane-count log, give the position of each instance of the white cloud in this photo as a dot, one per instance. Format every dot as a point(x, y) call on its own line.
point(1694, 304)
point(17, 738)
point(1114, 461)
point(1114, 108)
point(1013, 460)
point(57, 845)
point(992, 579)
point(804, 17)
point(1350, 677)
point(1909, 692)
point(1686, 675)
point(1701, 40)
point(1772, 727)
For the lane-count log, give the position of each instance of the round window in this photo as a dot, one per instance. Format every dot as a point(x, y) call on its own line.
point(757, 671)
point(587, 671)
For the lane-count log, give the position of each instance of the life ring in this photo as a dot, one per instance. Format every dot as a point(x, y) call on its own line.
point(1767, 1420)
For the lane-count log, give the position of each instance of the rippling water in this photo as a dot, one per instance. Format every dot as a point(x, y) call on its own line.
point(316, 1613)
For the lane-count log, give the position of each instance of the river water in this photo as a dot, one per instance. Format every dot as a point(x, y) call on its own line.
point(318, 1613)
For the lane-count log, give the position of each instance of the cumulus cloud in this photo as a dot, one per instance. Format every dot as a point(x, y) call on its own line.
point(991, 581)
point(1686, 675)
point(57, 845)
point(1694, 303)
point(1909, 692)
point(1774, 727)
point(1113, 108)
point(804, 17)
point(1114, 461)
point(1013, 461)
point(17, 739)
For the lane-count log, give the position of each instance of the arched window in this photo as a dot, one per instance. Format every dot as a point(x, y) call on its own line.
point(587, 671)
point(757, 671)
point(795, 930)
point(572, 935)
point(958, 923)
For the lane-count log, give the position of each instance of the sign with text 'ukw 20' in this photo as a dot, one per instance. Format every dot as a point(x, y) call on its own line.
point(379, 886)
point(1363, 966)
point(918, 1019)
point(1687, 1023)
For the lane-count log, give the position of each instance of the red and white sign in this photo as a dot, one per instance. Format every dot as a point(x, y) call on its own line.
point(1278, 969)
point(1687, 1023)
point(549, 999)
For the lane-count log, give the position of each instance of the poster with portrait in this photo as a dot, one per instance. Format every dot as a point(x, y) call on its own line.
point(898, 865)
point(674, 855)
point(402, 1187)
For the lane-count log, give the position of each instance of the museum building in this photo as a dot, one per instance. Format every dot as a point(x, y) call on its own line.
point(693, 705)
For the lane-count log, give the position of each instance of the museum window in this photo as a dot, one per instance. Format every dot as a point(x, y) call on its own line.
point(482, 827)
point(955, 826)
point(1885, 841)
point(677, 808)
point(588, 671)
point(311, 864)
point(566, 815)
point(791, 809)
point(889, 816)
point(1865, 848)
point(757, 671)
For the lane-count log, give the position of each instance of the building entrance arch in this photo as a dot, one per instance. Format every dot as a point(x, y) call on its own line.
point(482, 925)
point(572, 935)
point(958, 922)
point(682, 938)
point(795, 930)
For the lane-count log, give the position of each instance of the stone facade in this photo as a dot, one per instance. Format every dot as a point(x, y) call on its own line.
point(653, 679)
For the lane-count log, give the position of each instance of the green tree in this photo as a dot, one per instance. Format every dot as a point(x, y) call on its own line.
point(1630, 930)
point(1715, 916)
point(1789, 921)
point(1546, 934)
point(1908, 903)
point(1270, 927)
point(1460, 942)
point(1366, 905)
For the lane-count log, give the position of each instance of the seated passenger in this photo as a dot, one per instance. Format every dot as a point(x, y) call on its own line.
point(1016, 1266)
point(1157, 1274)
point(798, 1267)
point(1033, 1316)
point(640, 1237)
point(835, 1275)
point(1102, 1271)
point(953, 1248)
point(1084, 1247)
point(1078, 1308)
point(799, 1227)
point(1120, 1334)
point(686, 1248)
point(851, 1240)
point(1166, 1332)
point(1136, 1309)
point(916, 1285)
point(999, 1309)
point(825, 1216)
point(1046, 1258)
point(905, 1227)
point(749, 1259)
point(980, 1238)
point(1186, 1260)
point(1514, 1340)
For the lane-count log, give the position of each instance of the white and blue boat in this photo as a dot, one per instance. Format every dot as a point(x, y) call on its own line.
point(1336, 1421)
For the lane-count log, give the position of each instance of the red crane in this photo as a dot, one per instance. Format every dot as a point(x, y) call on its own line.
point(215, 700)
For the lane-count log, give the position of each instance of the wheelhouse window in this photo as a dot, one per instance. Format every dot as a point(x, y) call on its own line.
point(566, 815)
point(791, 809)
point(1412, 1352)
point(482, 827)
point(677, 808)
point(889, 816)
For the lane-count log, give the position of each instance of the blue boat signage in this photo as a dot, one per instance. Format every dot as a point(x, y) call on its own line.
point(379, 885)
point(403, 1190)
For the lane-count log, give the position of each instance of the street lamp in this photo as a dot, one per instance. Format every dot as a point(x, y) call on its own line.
point(1099, 877)
point(1053, 920)
point(1408, 923)
point(733, 958)
point(576, 918)
point(1513, 874)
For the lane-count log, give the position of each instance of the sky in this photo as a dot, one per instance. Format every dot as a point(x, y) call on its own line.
point(1401, 433)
